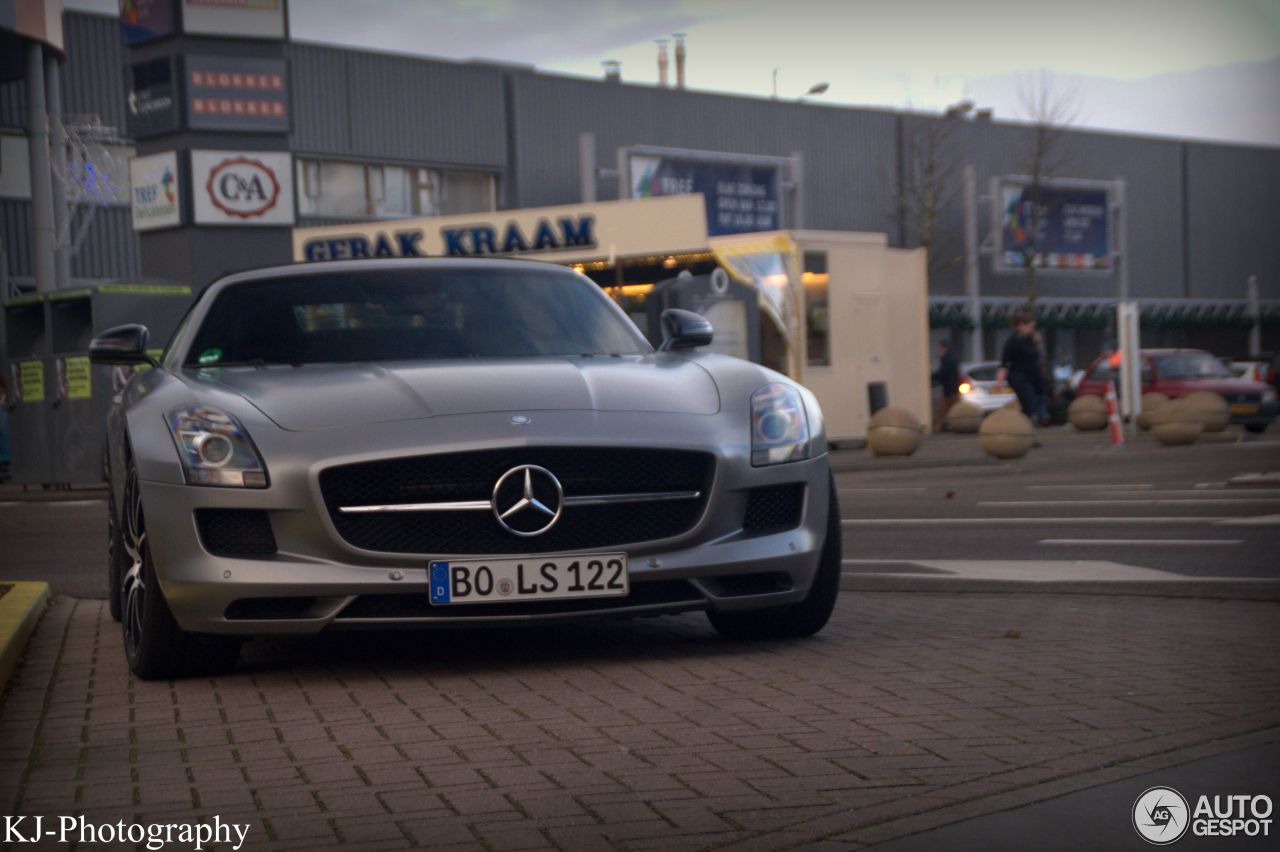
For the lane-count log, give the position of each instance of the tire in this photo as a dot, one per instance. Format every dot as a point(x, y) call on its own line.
point(810, 615)
point(155, 647)
point(115, 556)
point(1256, 428)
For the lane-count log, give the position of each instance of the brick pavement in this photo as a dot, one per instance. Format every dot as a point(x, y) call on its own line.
point(634, 735)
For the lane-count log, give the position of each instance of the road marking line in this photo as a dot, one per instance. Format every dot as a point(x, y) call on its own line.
point(1251, 521)
point(1109, 519)
point(1199, 493)
point(51, 502)
point(877, 490)
point(1177, 501)
point(1141, 542)
point(1106, 487)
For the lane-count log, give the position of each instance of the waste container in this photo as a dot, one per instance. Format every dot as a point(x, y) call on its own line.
point(59, 410)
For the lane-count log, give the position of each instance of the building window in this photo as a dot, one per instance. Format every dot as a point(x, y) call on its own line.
point(358, 190)
point(817, 311)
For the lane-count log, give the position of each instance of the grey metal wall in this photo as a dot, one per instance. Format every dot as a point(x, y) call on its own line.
point(92, 78)
point(109, 250)
point(849, 158)
point(375, 106)
point(1233, 222)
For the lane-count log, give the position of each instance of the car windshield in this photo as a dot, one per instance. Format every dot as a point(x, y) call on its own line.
point(411, 314)
point(983, 372)
point(1190, 365)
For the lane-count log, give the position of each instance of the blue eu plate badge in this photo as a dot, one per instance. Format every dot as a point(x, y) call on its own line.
point(439, 582)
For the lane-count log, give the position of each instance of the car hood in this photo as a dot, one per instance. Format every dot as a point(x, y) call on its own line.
point(326, 396)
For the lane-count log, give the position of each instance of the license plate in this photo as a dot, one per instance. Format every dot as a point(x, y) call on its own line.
point(474, 581)
point(1244, 408)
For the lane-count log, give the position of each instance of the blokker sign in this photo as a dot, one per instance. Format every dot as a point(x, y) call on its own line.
point(242, 188)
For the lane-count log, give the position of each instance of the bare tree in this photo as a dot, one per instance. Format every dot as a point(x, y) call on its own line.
point(929, 185)
point(1051, 108)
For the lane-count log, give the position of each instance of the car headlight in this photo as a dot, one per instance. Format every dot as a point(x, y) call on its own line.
point(779, 426)
point(965, 387)
point(215, 449)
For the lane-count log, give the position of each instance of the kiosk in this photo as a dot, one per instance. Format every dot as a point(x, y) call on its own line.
point(839, 312)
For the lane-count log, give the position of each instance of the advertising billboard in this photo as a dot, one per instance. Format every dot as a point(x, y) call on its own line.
point(237, 93)
point(154, 194)
point(152, 107)
point(742, 194)
point(1066, 223)
point(253, 188)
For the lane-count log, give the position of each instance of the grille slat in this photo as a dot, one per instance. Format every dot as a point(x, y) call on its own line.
point(471, 476)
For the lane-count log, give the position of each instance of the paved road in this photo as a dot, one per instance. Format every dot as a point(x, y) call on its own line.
point(1075, 499)
point(649, 734)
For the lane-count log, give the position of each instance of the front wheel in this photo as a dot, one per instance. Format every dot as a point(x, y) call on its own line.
point(154, 645)
point(799, 619)
point(1256, 428)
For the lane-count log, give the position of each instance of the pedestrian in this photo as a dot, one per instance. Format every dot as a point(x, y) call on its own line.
point(1020, 365)
point(948, 377)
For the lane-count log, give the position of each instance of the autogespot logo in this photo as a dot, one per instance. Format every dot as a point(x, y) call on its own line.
point(1160, 815)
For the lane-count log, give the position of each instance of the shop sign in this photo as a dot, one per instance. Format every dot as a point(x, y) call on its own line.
point(242, 188)
point(152, 101)
point(243, 18)
point(740, 197)
point(145, 20)
point(155, 199)
point(1070, 220)
point(567, 233)
point(236, 93)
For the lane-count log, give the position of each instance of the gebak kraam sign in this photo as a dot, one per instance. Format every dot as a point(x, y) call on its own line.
point(479, 240)
point(1071, 226)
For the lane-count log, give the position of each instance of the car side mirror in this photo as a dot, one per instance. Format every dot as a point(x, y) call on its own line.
point(124, 344)
point(684, 330)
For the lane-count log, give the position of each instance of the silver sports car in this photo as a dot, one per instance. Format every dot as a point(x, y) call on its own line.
point(429, 443)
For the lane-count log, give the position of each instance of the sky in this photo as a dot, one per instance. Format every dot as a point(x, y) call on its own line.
point(1205, 69)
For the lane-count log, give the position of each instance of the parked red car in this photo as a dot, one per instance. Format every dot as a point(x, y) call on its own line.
point(1174, 372)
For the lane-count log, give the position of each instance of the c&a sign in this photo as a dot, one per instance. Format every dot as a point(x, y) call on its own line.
point(242, 187)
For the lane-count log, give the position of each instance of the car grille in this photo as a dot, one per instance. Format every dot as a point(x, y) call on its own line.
point(773, 508)
point(235, 532)
point(471, 477)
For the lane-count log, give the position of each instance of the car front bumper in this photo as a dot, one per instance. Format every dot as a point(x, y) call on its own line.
point(316, 580)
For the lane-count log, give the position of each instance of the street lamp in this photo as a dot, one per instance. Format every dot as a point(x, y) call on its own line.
point(815, 89)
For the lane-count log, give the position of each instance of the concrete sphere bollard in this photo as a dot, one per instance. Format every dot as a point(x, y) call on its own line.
point(1176, 423)
point(964, 418)
point(1150, 402)
point(1212, 408)
point(1088, 413)
point(1006, 434)
point(894, 432)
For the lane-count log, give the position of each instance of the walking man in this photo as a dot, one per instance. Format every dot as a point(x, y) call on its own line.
point(1020, 365)
point(948, 376)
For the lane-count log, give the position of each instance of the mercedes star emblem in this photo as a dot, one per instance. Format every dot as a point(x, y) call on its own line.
point(527, 500)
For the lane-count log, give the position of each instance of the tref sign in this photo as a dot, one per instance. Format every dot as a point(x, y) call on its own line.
point(242, 188)
point(154, 196)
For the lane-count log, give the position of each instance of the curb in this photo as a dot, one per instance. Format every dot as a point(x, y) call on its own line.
point(20, 608)
point(1231, 588)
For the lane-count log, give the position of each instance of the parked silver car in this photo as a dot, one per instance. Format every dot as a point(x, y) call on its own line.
point(451, 442)
point(978, 385)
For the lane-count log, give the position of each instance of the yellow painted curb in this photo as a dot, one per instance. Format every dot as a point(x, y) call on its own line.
point(20, 608)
